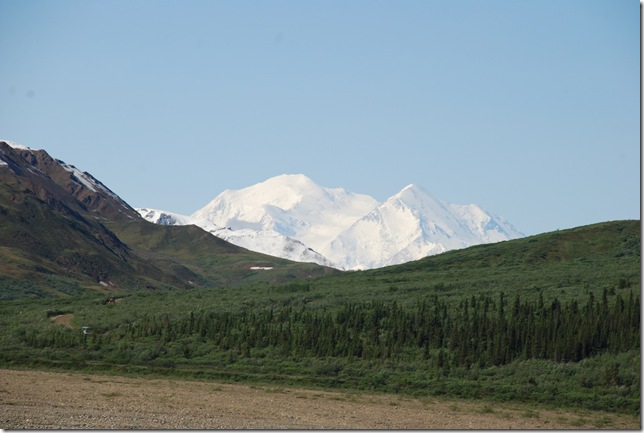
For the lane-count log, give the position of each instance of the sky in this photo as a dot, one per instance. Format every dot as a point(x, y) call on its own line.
point(530, 109)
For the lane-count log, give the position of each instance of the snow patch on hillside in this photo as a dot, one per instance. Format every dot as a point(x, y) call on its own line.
point(18, 145)
point(80, 176)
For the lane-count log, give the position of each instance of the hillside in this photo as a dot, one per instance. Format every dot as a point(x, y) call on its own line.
point(552, 319)
point(57, 238)
point(215, 262)
point(565, 264)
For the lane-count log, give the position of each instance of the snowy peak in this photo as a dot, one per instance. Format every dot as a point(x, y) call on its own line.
point(411, 190)
point(292, 205)
point(282, 192)
point(413, 224)
point(416, 197)
point(417, 201)
point(287, 191)
point(293, 217)
point(166, 218)
point(471, 217)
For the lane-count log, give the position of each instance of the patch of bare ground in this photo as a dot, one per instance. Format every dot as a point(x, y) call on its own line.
point(53, 400)
point(64, 320)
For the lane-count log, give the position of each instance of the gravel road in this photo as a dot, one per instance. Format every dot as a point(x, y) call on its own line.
point(52, 400)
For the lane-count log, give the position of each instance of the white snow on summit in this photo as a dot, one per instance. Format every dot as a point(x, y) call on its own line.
point(89, 181)
point(18, 145)
point(4, 163)
point(292, 205)
point(413, 224)
point(291, 216)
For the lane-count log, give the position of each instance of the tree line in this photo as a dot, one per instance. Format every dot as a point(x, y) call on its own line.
point(479, 331)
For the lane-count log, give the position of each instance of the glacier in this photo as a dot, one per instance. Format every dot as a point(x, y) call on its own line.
point(291, 216)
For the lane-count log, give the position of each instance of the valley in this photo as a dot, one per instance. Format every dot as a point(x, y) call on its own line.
point(89, 287)
point(547, 321)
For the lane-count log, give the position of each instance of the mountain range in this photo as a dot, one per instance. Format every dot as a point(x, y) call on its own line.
point(63, 232)
point(291, 216)
point(173, 299)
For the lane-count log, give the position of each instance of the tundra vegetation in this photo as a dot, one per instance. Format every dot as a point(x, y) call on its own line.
point(551, 320)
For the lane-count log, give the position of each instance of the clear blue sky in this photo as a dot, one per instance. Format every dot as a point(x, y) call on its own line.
point(530, 109)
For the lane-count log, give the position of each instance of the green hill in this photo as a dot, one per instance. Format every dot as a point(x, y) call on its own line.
point(47, 252)
point(216, 262)
point(552, 319)
point(566, 263)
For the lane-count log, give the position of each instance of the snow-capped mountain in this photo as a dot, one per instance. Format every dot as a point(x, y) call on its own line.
point(262, 241)
point(413, 224)
point(166, 218)
point(292, 205)
point(291, 216)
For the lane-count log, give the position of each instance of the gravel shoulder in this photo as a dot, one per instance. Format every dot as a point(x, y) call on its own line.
point(55, 400)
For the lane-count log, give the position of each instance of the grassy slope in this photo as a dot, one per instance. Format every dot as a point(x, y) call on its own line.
point(218, 262)
point(49, 252)
point(567, 264)
point(564, 264)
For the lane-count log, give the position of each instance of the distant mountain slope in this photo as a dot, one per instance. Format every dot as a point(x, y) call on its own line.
point(55, 239)
point(213, 261)
point(262, 241)
point(351, 231)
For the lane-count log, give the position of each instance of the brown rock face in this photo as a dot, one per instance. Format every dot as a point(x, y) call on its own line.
point(37, 171)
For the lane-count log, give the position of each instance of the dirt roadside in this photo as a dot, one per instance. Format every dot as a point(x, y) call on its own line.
point(51, 400)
